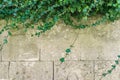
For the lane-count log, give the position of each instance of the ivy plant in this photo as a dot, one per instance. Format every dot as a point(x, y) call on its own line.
point(30, 12)
point(49, 12)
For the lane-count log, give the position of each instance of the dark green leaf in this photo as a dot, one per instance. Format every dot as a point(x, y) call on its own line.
point(0, 32)
point(39, 28)
point(62, 59)
point(55, 18)
point(104, 74)
point(109, 71)
point(82, 26)
point(68, 50)
point(116, 61)
point(118, 56)
point(9, 33)
point(113, 66)
point(5, 41)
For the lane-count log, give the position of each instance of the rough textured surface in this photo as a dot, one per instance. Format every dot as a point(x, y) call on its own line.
point(4, 66)
point(20, 47)
point(102, 67)
point(94, 51)
point(31, 71)
point(101, 43)
point(54, 43)
point(74, 70)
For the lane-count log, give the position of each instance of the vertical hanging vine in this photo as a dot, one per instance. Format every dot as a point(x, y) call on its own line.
point(68, 50)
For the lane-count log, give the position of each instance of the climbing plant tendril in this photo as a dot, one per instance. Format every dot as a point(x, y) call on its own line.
point(68, 50)
point(49, 12)
point(112, 68)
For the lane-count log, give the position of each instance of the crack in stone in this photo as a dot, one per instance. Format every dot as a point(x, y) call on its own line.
point(53, 70)
point(8, 70)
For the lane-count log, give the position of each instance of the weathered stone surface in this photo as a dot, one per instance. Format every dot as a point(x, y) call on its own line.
point(21, 47)
point(55, 42)
point(102, 67)
point(74, 70)
point(4, 70)
point(101, 43)
point(31, 71)
point(92, 44)
point(0, 56)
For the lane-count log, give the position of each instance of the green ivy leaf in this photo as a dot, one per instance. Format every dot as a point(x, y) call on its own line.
point(118, 1)
point(55, 19)
point(73, 10)
point(5, 41)
point(62, 59)
point(32, 26)
point(118, 56)
point(104, 74)
point(109, 71)
point(0, 32)
point(113, 66)
point(68, 50)
point(39, 28)
point(116, 61)
point(9, 33)
point(82, 26)
point(37, 34)
point(85, 18)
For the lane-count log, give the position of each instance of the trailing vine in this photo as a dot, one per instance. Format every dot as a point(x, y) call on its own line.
point(30, 12)
point(49, 12)
point(68, 50)
point(112, 68)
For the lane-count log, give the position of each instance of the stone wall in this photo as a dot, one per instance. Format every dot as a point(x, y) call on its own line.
point(32, 58)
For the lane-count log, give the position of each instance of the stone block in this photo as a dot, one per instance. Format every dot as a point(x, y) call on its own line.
point(102, 67)
point(4, 66)
point(101, 43)
point(21, 48)
point(74, 70)
point(31, 71)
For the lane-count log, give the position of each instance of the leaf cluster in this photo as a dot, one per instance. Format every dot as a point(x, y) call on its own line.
point(30, 12)
point(50, 11)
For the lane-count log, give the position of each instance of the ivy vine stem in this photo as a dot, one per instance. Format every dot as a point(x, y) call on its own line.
point(113, 67)
point(68, 50)
point(5, 41)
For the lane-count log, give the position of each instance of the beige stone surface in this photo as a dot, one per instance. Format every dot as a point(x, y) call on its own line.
point(102, 67)
point(4, 66)
point(31, 71)
point(74, 70)
point(93, 53)
point(0, 56)
point(21, 47)
point(56, 41)
point(101, 43)
point(92, 43)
